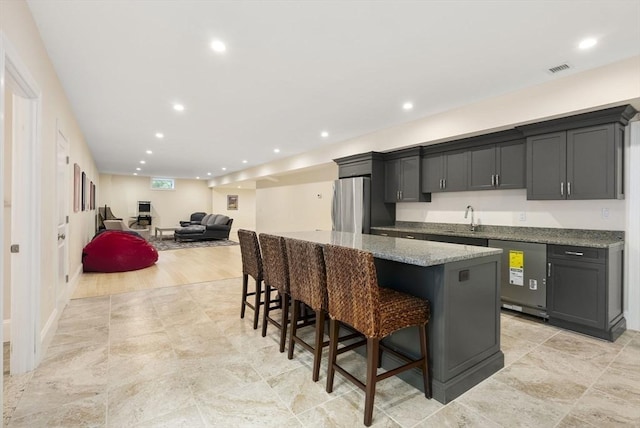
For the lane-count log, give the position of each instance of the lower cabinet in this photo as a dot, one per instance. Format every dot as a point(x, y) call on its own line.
point(584, 290)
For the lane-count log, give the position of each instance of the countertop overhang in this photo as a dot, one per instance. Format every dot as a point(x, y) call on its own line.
point(555, 236)
point(409, 251)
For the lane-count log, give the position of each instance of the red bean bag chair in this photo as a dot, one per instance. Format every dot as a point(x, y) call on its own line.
point(117, 251)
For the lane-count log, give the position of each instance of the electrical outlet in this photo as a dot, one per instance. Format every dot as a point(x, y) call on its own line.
point(522, 216)
point(605, 213)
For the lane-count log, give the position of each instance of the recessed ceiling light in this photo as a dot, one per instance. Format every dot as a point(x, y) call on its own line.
point(324, 134)
point(208, 173)
point(159, 135)
point(178, 107)
point(407, 106)
point(276, 150)
point(198, 178)
point(244, 161)
point(142, 162)
point(587, 43)
point(135, 173)
point(224, 168)
point(149, 152)
point(138, 169)
point(218, 46)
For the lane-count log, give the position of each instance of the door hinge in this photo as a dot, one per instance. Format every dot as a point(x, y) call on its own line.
point(67, 160)
point(15, 248)
point(66, 278)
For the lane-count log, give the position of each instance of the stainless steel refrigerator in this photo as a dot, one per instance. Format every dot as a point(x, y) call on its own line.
point(351, 208)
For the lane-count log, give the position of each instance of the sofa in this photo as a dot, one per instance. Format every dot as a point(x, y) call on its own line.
point(212, 226)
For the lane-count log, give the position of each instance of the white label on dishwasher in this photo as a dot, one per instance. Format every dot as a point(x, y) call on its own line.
point(516, 276)
point(533, 284)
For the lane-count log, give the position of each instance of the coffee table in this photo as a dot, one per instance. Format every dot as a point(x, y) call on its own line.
point(162, 230)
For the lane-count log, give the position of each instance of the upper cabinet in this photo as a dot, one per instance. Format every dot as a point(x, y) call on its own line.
point(582, 161)
point(445, 171)
point(402, 178)
point(497, 166)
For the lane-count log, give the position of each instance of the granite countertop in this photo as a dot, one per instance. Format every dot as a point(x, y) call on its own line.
point(575, 237)
point(414, 252)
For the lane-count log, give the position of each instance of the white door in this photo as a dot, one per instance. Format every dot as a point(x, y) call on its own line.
point(62, 217)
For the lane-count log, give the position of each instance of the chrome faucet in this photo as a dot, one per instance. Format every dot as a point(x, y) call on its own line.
point(472, 226)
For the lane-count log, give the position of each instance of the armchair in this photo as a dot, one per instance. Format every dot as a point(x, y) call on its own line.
point(212, 226)
point(196, 218)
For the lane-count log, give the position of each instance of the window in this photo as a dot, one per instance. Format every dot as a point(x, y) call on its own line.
point(162, 183)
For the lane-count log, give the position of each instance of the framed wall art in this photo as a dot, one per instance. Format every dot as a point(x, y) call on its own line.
point(232, 202)
point(76, 187)
point(83, 191)
point(92, 196)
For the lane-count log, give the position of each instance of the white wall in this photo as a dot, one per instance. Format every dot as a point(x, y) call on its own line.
point(245, 216)
point(17, 24)
point(122, 193)
point(505, 207)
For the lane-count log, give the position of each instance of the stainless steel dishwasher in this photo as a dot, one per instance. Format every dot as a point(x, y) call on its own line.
point(523, 277)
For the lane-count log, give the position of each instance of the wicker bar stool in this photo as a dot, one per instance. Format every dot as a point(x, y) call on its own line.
point(308, 283)
point(251, 266)
point(276, 278)
point(356, 299)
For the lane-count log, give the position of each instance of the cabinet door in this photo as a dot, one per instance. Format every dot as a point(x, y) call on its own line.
point(576, 292)
point(410, 179)
point(591, 163)
point(432, 173)
point(546, 166)
point(392, 180)
point(510, 165)
point(455, 171)
point(482, 167)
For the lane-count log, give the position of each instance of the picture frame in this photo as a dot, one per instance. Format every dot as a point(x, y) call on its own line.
point(232, 202)
point(76, 187)
point(92, 196)
point(83, 205)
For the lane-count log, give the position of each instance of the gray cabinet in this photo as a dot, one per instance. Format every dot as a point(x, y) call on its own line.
point(497, 166)
point(577, 157)
point(445, 172)
point(584, 290)
point(402, 180)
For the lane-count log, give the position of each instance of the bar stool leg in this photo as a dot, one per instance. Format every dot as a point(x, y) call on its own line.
point(245, 284)
point(294, 327)
point(317, 350)
point(256, 311)
point(372, 371)
point(285, 320)
point(334, 327)
point(424, 348)
point(267, 308)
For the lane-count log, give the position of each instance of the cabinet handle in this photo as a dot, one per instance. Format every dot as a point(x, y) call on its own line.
point(397, 195)
point(568, 188)
point(497, 180)
point(574, 253)
point(549, 270)
point(441, 183)
point(401, 195)
point(410, 237)
point(444, 183)
point(562, 188)
point(493, 180)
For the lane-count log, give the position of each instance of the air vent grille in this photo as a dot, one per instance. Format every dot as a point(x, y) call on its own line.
point(559, 68)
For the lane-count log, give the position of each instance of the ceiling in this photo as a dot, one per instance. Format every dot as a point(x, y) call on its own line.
point(295, 69)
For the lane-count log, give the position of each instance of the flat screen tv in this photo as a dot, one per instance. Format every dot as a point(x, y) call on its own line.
point(144, 207)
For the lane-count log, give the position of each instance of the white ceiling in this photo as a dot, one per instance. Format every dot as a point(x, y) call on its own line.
point(294, 69)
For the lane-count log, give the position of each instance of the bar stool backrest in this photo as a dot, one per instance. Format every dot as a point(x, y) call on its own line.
point(308, 279)
point(250, 249)
point(274, 259)
point(352, 288)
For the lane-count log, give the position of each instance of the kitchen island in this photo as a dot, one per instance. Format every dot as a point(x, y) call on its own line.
point(462, 284)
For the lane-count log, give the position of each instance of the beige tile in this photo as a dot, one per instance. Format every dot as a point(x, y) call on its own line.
point(598, 351)
point(128, 369)
point(621, 384)
point(603, 410)
point(345, 411)
point(14, 387)
point(456, 415)
point(139, 345)
point(142, 401)
point(212, 376)
point(121, 330)
point(573, 422)
point(81, 337)
point(510, 407)
point(528, 329)
point(183, 418)
point(88, 412)
point(514, 348)
point(255, 404)
point(628, 359)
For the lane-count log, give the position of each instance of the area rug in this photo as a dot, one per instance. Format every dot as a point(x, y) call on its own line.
point(170, 244)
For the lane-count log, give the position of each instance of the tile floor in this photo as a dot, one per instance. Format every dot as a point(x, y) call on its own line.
point(181, 357)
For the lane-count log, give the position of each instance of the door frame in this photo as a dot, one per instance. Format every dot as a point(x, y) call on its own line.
point(62, 291)
point(26, 338)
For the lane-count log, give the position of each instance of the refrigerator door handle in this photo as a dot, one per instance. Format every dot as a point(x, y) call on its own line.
point(334, 215)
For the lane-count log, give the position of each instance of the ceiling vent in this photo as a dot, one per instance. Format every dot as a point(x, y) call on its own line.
point(559, 68)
